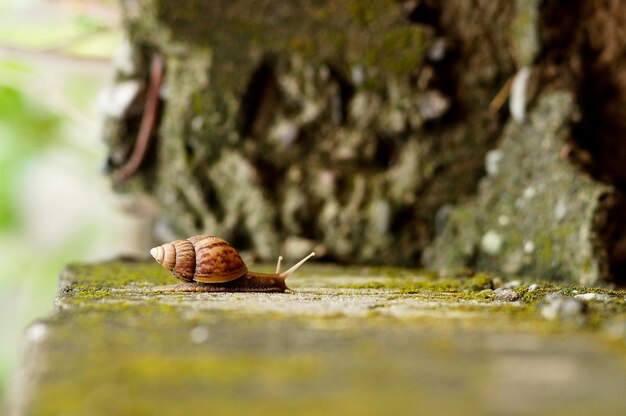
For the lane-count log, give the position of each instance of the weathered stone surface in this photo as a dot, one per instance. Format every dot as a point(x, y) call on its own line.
point(535, 213)
point(342, 124)
point(348, 340)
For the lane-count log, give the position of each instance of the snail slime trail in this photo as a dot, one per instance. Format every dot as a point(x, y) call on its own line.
point(206, 263)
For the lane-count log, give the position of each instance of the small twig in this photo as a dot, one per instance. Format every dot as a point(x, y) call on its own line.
point(148, 120)
point(501, 97)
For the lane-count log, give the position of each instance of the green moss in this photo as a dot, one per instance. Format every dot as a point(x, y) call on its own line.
point(370, 285)
point(481, 296)
point(116, 273)
point(477, 282)
point(307, 30)
point(537, 294)
point(578, 289)
point(444, 285)
point(122, 288)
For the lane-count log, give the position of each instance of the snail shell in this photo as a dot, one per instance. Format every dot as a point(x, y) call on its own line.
point(206, 263)
point(202, 258)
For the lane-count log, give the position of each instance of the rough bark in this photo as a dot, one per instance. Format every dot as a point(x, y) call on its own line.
point(357, 128)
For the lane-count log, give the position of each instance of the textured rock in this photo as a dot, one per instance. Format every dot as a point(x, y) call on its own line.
point(538, 215)
point(593, 296)
point(505, 294)
point(565, 309)
point(343, 124)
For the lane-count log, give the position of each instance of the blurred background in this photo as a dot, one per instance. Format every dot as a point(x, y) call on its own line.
point(56, 206)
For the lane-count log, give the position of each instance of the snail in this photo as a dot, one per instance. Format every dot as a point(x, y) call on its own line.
point(209, 264)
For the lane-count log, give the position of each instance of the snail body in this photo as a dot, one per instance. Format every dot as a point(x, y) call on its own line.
point(210, 264)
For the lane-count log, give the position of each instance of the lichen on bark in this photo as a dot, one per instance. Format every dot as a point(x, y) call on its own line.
point(534, 212)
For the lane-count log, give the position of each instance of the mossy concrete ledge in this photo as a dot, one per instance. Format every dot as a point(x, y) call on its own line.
point(348, 340)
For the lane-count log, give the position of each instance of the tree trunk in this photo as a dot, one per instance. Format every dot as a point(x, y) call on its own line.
point(379, 131)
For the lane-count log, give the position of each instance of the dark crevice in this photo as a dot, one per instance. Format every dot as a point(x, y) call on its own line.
point(196, 218)
point(609, 229)
point(468, 64)
point(189, 149)
point(269, 173)
point(341, 101)
point(387, 150)
point(260, 101)
point(344, 186)
point(585, 52)
point(212, 201)
point(616, 240)
point(240, 237)
point(591, 61)
point(422, 12)
point(307, 217)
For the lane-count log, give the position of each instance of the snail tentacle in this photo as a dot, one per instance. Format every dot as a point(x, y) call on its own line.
point(295, 266)
point(280, 260)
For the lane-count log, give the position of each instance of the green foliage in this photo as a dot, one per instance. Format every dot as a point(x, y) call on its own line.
point(45, 117)
point(26, 129)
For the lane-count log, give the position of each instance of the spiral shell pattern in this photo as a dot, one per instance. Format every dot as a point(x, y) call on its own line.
point(201, 258)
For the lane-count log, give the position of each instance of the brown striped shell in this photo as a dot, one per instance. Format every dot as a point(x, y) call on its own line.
point(202, 258)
